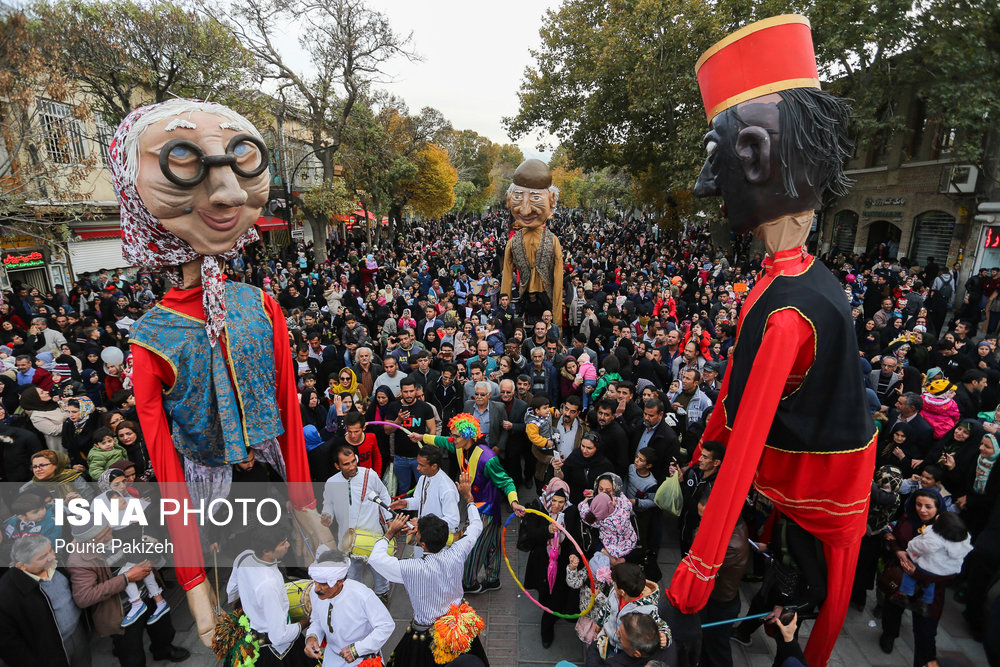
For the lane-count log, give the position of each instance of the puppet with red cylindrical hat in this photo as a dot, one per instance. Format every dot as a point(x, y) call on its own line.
point(792, 408)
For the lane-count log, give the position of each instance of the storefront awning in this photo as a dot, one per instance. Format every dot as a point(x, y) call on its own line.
point(92, 233)
point(266, 224)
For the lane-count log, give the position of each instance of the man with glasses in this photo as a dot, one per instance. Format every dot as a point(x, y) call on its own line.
point(517, 458)
point(490, 415)
point(884, 380)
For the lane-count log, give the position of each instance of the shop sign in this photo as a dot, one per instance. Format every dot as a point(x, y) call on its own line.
point(881, 214)
point(12, 242)
point(887, 201)
point(992, 237)
point(26, 261)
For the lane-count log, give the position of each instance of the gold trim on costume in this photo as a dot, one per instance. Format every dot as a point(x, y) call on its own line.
point(842, 451)
point(236, 385)
point(161, 356)
point(773, 87)
point(815, 344)
point(782, 19)
point(180, 314)
point(263, 305)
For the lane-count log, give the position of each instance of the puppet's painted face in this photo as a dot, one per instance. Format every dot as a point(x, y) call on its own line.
point(743, 166)
point(531, 208)
point(213, 214)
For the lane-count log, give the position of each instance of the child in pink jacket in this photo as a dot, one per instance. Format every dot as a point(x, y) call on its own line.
point(940, 409)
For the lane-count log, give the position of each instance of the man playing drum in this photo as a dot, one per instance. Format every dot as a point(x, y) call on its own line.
point(257, 583)
point(345, 614)
point(358, 519)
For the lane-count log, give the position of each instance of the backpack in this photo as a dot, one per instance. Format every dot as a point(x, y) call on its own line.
point(946, 288)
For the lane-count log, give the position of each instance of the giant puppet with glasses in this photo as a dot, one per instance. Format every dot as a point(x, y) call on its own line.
point(792, 407)
point(212, 368)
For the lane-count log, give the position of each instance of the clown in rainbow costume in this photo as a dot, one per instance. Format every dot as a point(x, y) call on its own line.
point(489, 480)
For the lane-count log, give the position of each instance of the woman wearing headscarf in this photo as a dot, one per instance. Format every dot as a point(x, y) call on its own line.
point(582, 467)
point(45, 415)
point(347, 383)
point(313, 413)
point(376, 412)
point(549, 554)
point(922, 510)
point(130, 437)
point(53, 476)
point(9, 397)
point(610, 512)
point(320, 453)
point(78, 428)
point(978, 485)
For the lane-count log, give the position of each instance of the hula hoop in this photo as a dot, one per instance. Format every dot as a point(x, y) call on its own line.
point(593, 588)
point(380, 423)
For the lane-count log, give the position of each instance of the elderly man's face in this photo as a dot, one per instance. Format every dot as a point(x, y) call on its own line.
point(212, 215)
point(530, 208)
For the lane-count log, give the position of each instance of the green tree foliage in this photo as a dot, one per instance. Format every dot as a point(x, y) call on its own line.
point(614, 79)
point(126, 54)
point(347, 44)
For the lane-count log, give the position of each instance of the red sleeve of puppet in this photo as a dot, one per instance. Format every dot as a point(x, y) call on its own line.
point(692, 583)
point(150, 374)
point(292, 441)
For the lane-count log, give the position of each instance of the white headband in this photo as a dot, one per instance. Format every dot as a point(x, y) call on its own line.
point(328, 572)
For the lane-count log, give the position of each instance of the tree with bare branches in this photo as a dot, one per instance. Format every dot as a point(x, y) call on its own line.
point(348, 45)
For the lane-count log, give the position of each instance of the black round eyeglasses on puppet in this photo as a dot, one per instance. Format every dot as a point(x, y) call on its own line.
point(185, 164)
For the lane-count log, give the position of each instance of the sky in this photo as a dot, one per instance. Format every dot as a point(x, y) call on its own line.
point(473, 56)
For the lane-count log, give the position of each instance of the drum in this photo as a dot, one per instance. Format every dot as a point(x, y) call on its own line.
point(299, 604)
point(358, 543)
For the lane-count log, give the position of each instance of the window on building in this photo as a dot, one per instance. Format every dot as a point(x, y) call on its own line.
point(105, 133)
point(63, 133)
point(944, 142)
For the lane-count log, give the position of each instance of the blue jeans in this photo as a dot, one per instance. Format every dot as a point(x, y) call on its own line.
point(406, 473)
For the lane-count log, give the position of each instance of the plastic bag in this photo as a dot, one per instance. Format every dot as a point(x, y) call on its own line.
point(668, 497)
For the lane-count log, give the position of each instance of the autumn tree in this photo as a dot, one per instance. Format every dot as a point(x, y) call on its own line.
point(347, 44)
point(46, 159)
point(473, 155)
point(380, 149)
point(124, 54)
point(432, 189)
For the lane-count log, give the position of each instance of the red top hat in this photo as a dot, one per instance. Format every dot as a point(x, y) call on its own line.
point(763, 57)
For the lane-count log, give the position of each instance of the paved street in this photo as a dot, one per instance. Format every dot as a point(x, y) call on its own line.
point(512, 636)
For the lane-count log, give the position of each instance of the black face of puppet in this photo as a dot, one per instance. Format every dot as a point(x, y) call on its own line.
point(744, 168)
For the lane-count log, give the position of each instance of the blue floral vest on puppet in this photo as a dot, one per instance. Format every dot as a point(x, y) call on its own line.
point(483, 489)
point(214, 419)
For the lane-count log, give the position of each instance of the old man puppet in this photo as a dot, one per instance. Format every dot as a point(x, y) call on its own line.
point(212, 364)
point(534, 252)
point(792, 406)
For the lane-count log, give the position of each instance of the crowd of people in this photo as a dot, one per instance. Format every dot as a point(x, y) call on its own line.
point(592, 414)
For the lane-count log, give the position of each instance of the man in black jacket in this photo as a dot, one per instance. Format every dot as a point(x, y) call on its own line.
point(32, 632)
point(968, 396)
point(517, 458)
point(614, 445)
point(658, 435)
